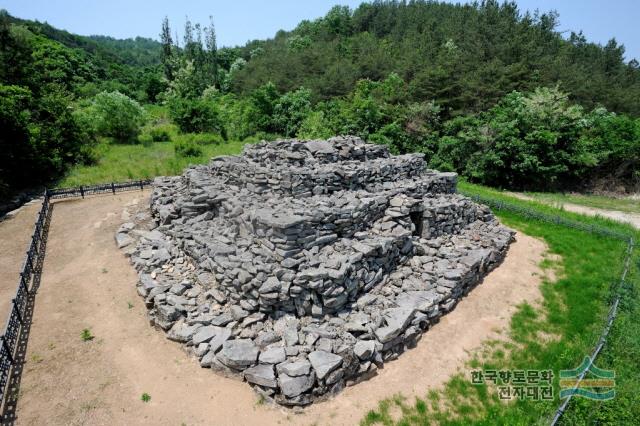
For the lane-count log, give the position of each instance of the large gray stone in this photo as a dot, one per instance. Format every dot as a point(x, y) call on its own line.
point(294, 386)
point(238, 354)
point(324, 362)
point(262, 375)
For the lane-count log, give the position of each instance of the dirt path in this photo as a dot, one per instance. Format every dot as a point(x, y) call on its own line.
point(16, 230)
point(88, 283)
point(631, 218)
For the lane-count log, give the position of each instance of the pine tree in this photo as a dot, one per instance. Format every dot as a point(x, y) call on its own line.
point(211, 60)
point(167, 49)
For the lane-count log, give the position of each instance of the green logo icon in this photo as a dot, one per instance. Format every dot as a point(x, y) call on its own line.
point(588, 381)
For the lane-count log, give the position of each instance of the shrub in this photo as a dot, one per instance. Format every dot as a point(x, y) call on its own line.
point(118, 116)
point(187, 148)
point(195, 116)
point(159, 134)
point(145, 139)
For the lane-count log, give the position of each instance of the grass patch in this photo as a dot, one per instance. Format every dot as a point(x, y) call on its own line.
point(627, 205)
point(574, 309)
point(118, 163)
point(145, 397)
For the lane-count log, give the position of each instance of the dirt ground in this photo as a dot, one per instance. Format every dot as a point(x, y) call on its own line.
point(632, 218)
point(88, 283)
point(16, 229)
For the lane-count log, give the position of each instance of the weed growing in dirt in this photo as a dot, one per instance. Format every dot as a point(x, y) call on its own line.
point(36, 358)
point(86, 335)
point(105, 270)
point(145, 397)
point(129, 305)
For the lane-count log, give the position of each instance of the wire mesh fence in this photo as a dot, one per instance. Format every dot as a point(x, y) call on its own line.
point(616, 289)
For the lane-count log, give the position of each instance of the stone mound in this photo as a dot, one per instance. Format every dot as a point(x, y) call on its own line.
point(303, 266)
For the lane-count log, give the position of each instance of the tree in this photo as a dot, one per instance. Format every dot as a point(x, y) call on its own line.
point(117, 116)
point(166, 55)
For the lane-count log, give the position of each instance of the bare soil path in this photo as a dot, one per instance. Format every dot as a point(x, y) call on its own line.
point(16, 229)
point(88, 283)
point(631, 218)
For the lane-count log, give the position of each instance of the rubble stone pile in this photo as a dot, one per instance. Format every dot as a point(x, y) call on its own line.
point(303, 266)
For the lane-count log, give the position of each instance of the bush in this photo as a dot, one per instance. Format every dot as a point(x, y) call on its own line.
point(187, 148)
point(159, 134)
point(195, 116)
point(118, 116)
point(145, 139)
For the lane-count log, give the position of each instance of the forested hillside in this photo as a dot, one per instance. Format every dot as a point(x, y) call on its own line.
point(496, 94)
point(465, 58)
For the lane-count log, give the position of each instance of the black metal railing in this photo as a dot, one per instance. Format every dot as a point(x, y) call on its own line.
point(27, 285)
point(13, 340)
point(105, 188)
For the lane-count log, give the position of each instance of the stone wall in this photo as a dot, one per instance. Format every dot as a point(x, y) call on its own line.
point(304, 266)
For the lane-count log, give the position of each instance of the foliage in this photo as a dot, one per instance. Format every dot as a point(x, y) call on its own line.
point(187, 149)
point(465, 57)
point(539, 141)
point(195, 115)
point(145, 397)
point(117, 116)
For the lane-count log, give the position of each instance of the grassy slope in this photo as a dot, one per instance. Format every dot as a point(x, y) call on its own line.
point(125, 162)
point(574, 310)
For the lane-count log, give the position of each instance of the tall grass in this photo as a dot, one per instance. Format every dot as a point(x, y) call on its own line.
point(126, 162)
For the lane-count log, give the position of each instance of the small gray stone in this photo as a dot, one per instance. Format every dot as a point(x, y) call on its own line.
point(294, 368)
point(204, 334)
point(272, 356)
point(364, 349)
point(272, 284)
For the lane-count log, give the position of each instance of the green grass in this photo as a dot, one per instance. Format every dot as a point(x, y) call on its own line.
point(86, 335)
point(573, 311)
point(118, 163)
point(626, 205)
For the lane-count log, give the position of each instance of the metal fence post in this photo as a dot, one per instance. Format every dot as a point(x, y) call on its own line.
point(113, 188)
point(15, 305)
point(7, 349)
point(81, 191)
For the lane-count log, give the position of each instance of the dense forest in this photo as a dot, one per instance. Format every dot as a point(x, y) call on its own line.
point(498, 95)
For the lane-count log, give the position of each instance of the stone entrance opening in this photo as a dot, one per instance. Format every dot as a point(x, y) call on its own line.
point(417, 219)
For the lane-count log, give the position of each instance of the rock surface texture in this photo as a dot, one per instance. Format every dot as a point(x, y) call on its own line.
point(302, 267)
